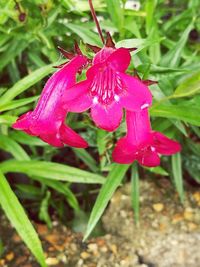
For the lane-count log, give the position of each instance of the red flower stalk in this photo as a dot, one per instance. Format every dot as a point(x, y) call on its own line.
point(141, 143)
point(47, 120)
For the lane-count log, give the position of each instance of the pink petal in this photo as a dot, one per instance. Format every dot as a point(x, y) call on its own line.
point(107, 117)
point(148, 158)
point(102, 55)
point(120, 59)
point(138, 94)
point(77, 99)
point(23, 122)
point(71, 138)
point(164, 145)
point(52, 139)
point(139, 128)
point(124, 153)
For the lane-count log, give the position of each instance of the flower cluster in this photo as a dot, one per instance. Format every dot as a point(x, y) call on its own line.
point(107, 91)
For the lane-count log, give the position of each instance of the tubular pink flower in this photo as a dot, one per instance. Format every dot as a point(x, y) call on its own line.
point(107, 89)
point(141, 143)
point(47, 119)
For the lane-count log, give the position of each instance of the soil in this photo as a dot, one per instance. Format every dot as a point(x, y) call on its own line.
point(168, 234)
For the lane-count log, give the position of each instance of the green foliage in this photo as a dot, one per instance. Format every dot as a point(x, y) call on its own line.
point(168, 51)
point(19, 219)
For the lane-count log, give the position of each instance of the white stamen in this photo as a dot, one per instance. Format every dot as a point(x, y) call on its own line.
point(116, 97)
point(144, 106)
point(153, 149)
point(95, 100)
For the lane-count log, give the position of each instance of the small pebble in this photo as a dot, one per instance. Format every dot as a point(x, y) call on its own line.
point(85, 255)
point(188, 215)
point(158, 207)
point(10, 256)
point(52, 261)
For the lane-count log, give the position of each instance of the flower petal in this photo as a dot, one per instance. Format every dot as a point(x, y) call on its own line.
point(123, 152)
point(77, 99)
point(138, 94)
point(148, 158)
point(107, 117)
point(120, 59)
point(23, 122)
point(103, 55)
point(71, 138)
point(52, 139)
point(165, 145)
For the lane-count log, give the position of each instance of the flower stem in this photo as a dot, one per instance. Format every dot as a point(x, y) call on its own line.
point(96, 20)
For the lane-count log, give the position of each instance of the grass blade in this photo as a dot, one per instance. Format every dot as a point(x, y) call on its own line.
point(51, 170)
point(112, 182)
point(177, 174)
point(135, 193)
point(17, 216)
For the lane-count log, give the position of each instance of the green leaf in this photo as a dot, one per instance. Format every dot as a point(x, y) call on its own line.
point(23, 84)
point(150, 6)
point(112, 182)
point(26, 139)
point(158, 170)
point(177, 174)
point(172, 58)
point(189, 86)
point(15, 48)
point(86, 34)
point(63, 189)
point(138, 43)
point(17, 216)
point(50, 170)
point(18, 103)
point(178, 112)
point(13, 147)
point(44, 206)
point(116, 13)
point(86, 158)
point(7, 119)
point(135, 192)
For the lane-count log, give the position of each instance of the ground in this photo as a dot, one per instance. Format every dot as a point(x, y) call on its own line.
point(168, 234)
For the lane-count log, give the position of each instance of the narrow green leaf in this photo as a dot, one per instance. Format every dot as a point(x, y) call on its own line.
point(172, 58)
point(63, 189)
point(15, 48)
point(43, 212)
point(135, 192)
point(178, 112)
point(17, 216)
point(13, 147)
point(18, 103)
point(26, 139)
point(86, 34)
point(112, 182)
point(158, 170)
point(150, 6)
point(116, 13)
point(50, 170)
point(177, 174)
point(189, 86)
point(25, 83)
point(86, 158)
point(7, 119)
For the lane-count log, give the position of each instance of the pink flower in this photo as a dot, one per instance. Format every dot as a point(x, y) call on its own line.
point(141, 143)
point(47, 119)
point(108, 89)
